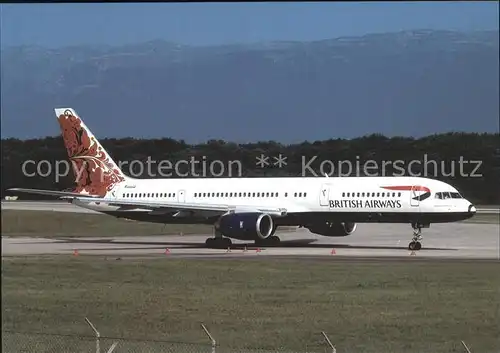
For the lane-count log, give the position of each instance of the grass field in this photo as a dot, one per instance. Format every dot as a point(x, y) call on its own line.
point(48, 224)
point(408, 306)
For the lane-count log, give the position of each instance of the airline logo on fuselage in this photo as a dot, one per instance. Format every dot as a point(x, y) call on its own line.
point(365, 204)
point(414, 189)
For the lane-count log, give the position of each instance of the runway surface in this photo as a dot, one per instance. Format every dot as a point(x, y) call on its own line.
point(454, 240)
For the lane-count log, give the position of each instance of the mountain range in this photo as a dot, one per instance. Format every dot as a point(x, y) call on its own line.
point(410, 83)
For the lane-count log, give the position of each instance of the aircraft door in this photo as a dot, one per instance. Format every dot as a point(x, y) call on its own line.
point(181, 196)
point(414, 201)
point(324, 194)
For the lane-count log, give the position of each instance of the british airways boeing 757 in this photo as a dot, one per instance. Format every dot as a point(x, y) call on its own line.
point(252, 208)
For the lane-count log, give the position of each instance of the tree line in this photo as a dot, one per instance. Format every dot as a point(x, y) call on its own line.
point(468, 161)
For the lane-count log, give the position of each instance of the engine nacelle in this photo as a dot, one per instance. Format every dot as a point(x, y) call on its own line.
point(329, 229)
point(246, 226)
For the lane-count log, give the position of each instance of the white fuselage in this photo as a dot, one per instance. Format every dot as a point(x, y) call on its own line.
point(298, 195)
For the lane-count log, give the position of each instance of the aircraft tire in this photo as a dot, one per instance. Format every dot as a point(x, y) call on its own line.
point(415, 245)
point(272, 240)
point(218, 243)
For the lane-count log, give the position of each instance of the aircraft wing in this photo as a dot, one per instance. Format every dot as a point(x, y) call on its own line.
point(67, 194)
point(183, 206)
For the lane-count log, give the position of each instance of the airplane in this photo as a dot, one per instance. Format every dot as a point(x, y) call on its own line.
point(252, 209)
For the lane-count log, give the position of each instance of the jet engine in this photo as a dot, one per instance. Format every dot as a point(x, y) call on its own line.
point(329, 229)
point(246, 226)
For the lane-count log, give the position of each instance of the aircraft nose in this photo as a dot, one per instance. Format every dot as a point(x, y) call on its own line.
point(472, 208)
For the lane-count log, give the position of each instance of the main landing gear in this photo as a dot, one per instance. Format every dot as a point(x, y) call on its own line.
point(221, 242)
point(218, 241)
point(273, 240)
point(417, 237)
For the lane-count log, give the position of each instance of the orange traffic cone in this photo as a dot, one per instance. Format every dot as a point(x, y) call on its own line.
point(167, 251)
point(333, 252)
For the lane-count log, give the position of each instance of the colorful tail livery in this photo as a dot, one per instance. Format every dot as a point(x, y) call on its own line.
point(96, 174)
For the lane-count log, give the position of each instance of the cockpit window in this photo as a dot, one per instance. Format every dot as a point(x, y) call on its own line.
point(448, 195)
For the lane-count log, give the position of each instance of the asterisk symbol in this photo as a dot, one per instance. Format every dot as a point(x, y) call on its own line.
point(262, 161)
point(280, 161)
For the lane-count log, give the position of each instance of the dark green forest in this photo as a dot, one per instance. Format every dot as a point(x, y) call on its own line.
point(468, 161)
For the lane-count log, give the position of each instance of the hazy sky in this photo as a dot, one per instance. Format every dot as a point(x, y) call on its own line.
point(217, 23)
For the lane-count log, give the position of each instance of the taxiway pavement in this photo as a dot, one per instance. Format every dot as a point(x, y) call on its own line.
point(453, 240)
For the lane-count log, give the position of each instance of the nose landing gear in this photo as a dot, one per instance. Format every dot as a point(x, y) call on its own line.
point(417, 237)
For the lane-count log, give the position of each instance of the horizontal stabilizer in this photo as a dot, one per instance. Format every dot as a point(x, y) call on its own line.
point(54, 193)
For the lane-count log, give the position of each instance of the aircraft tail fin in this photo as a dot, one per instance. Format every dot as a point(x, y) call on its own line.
point(95, 172)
